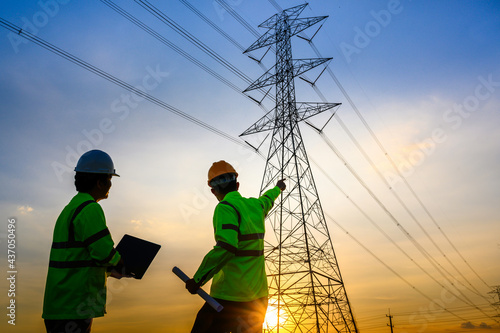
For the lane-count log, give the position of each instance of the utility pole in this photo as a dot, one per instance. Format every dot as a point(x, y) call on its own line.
point(305, 284)
point(496, 290)
point(390, 321)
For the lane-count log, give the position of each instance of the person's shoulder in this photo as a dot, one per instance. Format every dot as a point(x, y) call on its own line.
point(234, 195)
point(86, 203)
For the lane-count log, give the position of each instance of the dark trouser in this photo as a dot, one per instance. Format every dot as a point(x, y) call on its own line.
point(236, 317)
point(68, 325)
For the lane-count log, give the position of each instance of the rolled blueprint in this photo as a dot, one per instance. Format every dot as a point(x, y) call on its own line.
point(212, 302)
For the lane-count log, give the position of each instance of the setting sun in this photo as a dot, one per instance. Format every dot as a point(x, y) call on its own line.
point(272, 319)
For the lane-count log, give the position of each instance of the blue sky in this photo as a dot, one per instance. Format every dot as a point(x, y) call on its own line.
point(425, 76)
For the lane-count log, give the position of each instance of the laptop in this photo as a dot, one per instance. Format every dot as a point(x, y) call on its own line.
point(137, 255)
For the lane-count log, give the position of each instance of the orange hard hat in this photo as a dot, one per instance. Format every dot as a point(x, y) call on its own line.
point(220, 168)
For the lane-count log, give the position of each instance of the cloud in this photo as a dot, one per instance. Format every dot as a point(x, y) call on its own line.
point(136, 222)
point(484, 325)
point(470, 325)
point(467, 325)
point(24, 209)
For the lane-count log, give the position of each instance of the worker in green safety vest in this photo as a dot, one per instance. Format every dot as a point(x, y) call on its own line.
point(82, 251)
point(236, 262)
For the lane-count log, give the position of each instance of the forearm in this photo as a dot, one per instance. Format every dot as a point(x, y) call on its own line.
point(269, 197)
point(211, 264)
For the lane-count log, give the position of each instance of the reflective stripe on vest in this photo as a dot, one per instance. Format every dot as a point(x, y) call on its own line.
point(73, 244)
point(81, 263)
point(76, 244)
point(247, 237)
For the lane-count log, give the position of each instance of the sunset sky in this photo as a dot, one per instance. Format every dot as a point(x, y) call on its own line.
point(419, 83)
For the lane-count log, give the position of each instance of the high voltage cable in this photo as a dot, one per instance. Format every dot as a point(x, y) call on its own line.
point(393, 164)
point(180, 30)
point(27, 35)
point(372, 164)
point(384, 233)
point(404, 280)
point(232, 12)
point(389, 268)
point(177, 28)
point(174, 47)
point(397, 223)
point(195, 41)
point(372, 134)
point(240, 19)
point(275, 4)
point(393, 192)
point(219, 30)
point(213, 25)
point(165, 41)
point(401, 202)
point(374, 137)
point(112, 79)
point(398, 198)
point(417, 245)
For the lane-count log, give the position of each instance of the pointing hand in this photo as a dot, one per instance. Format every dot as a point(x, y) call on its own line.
point(281, 184)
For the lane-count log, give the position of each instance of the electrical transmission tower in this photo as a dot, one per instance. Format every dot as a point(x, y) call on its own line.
point(305, 284)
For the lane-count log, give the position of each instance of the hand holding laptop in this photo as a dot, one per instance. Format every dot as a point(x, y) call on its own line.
point(137, 254)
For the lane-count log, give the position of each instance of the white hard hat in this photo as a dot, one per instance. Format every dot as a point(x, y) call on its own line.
point(96, 161)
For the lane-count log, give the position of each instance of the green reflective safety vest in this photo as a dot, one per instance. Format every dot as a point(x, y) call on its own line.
point(236, 262)
point(81, 250)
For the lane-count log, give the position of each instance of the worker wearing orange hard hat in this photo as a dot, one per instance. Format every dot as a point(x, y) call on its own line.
point(236, 262)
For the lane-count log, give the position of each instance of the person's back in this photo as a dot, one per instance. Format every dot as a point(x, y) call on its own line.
point(236, 262)
point(82, 249)
point(71, 263)
point(243, 278)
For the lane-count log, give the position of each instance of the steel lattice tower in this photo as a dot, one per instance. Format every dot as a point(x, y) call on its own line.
point(305, 283)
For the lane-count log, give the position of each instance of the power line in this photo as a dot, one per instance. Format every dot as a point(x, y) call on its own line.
point(384, 180)
point(421, 249)
point(459, 309)
point(390, 268)
point(220, 31)
point(184, 33)
point(401, 202)
point(27, 35)
point(21, 32)
point(372, 164)
point(177, 49)
point(393, 164)
point(381, 230)
point(396, 222)
point(242, 21)
point(195, 41)
point(213, 25)
point(372, 134)
point(171, 45)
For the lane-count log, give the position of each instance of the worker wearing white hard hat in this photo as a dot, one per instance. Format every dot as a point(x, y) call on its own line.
point(97, 162)
point(82, 251)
